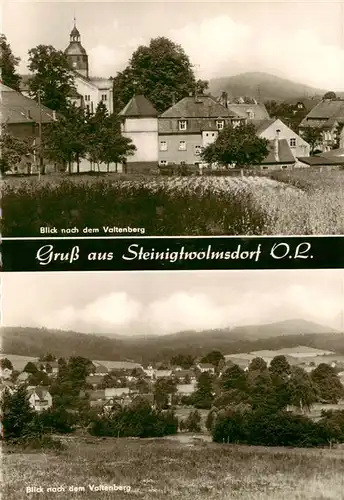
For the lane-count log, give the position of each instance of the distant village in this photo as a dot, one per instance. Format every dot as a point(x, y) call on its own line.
point(120, 382)
point(177, 136)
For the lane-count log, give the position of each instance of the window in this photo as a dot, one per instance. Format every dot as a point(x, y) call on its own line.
point(198, 150)
point(163, 146)
point(163, 163)
point(182, 124)
point(104, 97)
point(87, 97)
point(182, 146)
point(292, 142)
point(220, 124)
point(284, 166)
point(236, 123)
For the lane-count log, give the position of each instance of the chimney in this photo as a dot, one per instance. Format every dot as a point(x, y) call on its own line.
point(276, 145)
point(173, 98)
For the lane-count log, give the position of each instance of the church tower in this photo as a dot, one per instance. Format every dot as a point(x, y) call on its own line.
point(76, 54)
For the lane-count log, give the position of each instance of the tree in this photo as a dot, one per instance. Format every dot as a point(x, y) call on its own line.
point(13, 150)
point(30, 367)
point(47, 357)
point(6, 363)
point(203, 396)
point(257, 364)
point(163, 388)
point(238, 146)
point(8, 64)
point(16, 412)
point(279, 366)
point(66, 140)
point(301, 389)
point(193, 422)
point(327, 382)
point(52, 78)
point(330, 95)
point(313, 136)
point(105, 142)
point(213, 358)
point(234, 378)
point(183, 360)
point(161, 71)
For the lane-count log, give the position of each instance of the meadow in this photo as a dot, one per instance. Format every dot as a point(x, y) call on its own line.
point(295, 202)
point(176, 469)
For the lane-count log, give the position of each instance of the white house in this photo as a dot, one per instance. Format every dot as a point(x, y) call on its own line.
point(206, 367)
point(272, 128)
point(140, 124)
point(5, 373)
point(40, 399)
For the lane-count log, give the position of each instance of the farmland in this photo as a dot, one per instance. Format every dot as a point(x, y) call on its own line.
point(172, 468)
point(297, 202)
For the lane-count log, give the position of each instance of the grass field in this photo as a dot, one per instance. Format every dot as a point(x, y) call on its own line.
point(171, 469)
point(295, 202)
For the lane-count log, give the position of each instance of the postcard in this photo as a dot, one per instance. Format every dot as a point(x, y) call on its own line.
point(172, 118)
point(217, 384)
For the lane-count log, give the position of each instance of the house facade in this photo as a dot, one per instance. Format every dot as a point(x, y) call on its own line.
point(140, 124)
point(190, 125)
point(40, 399)
point(327, 116)
point(21, 115)
point(274, 128)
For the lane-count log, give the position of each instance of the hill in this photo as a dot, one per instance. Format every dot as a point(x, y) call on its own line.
point(262, 86)
point(36, 341)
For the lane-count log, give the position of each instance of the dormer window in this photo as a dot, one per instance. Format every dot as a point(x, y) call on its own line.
point(220, 124)
point(182, 124)
point(250, 114)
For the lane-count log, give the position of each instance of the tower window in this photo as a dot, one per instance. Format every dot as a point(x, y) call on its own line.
point(104, 97)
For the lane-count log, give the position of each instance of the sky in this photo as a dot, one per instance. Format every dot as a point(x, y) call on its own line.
point(148, 303)
point(302, 41)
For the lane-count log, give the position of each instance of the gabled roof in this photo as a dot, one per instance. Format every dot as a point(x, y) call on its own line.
point(16, 108)
point(284, 154)
point(262, 125)
point(321, 114)
point(200, 107)
point(139, 107)
point(259, 110)
point(40, 392)
point(308, 102)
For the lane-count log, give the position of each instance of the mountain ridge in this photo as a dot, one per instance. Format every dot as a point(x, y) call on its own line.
point(262, 86)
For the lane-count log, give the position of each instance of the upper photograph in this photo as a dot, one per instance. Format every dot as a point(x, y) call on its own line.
point(172, 119)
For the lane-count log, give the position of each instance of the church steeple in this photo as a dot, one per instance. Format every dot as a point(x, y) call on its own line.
point(75, 52)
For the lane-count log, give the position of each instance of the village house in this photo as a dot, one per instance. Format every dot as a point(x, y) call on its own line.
point(140, 124)
point(327, 116)
point(94, 380)
point(99, 370)
point(40, 398)
point(23, 377)
point(190, 125)
point(49, 367)
point(21, 115)
point(273, 129)
point(205, 367)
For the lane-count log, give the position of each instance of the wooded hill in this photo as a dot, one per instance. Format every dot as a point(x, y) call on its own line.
point(37, 341)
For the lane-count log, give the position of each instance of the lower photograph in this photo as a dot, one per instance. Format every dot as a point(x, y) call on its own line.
point(211, 385)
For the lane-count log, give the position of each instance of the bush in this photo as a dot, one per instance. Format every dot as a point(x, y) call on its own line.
point(279, 428)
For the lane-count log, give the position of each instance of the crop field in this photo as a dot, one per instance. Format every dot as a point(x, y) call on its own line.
point(172, 469)
point(297, 202)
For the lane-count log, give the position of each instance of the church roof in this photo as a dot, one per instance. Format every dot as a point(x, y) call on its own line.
point(75, 32)
point(139, 106)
